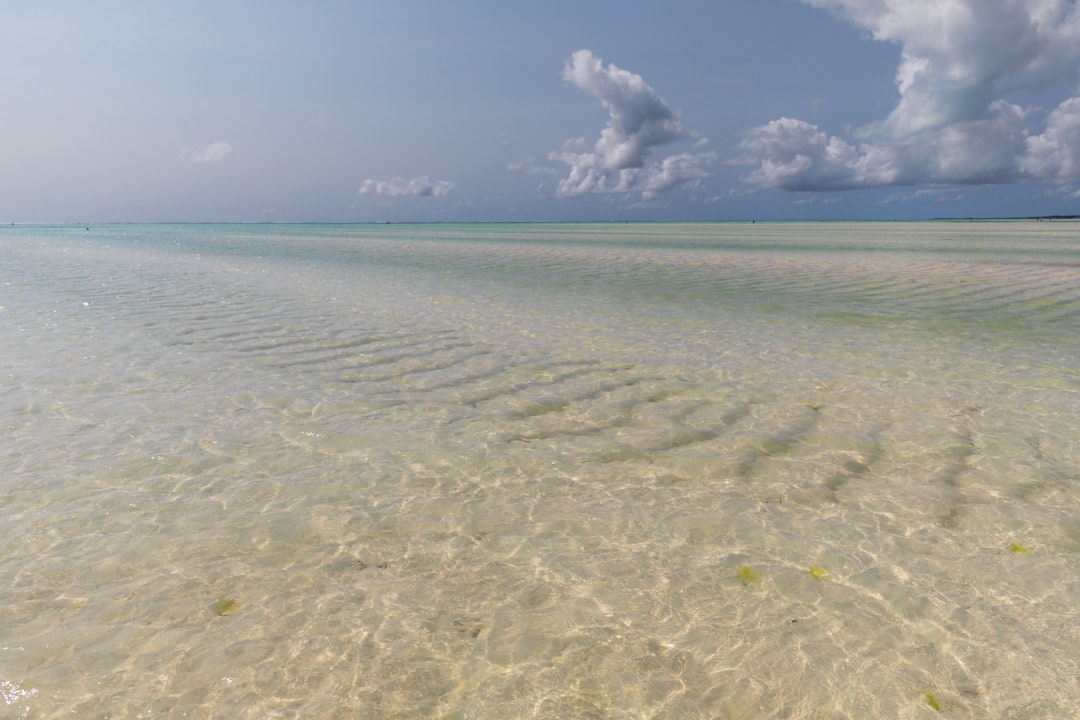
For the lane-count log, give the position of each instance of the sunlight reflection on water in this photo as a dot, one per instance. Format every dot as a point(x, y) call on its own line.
point(541, 471)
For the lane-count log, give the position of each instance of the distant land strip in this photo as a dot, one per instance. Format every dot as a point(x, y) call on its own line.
point(1020, 217)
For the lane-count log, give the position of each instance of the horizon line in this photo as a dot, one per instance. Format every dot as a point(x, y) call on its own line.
point(748, 221)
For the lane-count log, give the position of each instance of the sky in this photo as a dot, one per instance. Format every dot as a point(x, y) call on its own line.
point(552, 110)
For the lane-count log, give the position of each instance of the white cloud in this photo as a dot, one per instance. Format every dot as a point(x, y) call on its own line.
point(400, 187)
point(953, 122)
point(1055, 154)
point(529, 166)
point(211, 154)
point(672, 171)
point(638, 122)
point(795, 155)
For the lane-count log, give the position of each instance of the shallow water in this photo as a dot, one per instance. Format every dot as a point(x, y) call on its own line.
point(541, 471)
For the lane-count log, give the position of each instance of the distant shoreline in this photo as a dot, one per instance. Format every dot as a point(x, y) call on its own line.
point(748, 221)
point(1038, 218)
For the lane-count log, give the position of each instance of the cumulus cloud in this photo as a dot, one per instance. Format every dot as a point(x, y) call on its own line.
point(399, 187)
point(795, 155)
point(961, 62)
point(639, 121)
point(1055, 154)
point(211, 154)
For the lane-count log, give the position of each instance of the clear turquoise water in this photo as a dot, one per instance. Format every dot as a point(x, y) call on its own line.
point(540, 471)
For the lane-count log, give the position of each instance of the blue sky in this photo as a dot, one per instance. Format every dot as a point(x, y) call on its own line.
point(347, 110)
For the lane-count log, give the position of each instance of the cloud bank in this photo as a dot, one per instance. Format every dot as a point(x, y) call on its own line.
point(638, 123)
point(961, 61)
point(399, 187)
point(211, 154)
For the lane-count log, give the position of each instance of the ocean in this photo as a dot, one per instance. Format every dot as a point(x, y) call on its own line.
point(768, 470)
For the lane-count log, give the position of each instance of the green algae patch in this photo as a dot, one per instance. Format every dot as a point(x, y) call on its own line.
point(747, 574)
point(1017, 548)
point(224, 606)
point(818, 573)
point(932, 701)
